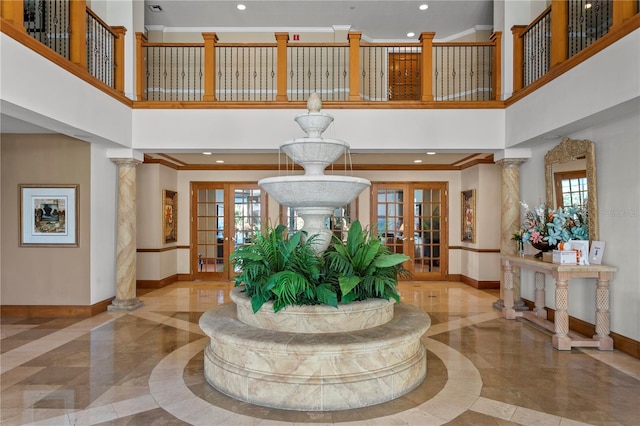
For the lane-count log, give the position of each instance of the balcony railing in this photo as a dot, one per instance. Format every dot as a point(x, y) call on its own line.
point(369, 73)
point(562, 31)
point(284, 71)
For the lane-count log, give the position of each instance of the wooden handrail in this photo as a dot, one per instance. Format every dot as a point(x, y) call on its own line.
point(101, 22)
point(538, 19)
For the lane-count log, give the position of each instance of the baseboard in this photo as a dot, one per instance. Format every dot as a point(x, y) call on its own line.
point(155, 284)
point(622, 343)
point(55, 311)
point(184, 277)
point(454, 277)
point(480, 285)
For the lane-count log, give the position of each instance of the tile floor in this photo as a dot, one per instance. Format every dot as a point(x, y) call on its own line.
point(146, 368)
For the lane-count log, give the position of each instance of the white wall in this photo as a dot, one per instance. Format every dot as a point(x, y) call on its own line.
point(104, 211)
point(618, 179)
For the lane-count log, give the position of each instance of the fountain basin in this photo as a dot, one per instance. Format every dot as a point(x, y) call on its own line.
point(314, 154)
point(307, 319)
point(315, 371)
point(314, 191)
point(314, 123)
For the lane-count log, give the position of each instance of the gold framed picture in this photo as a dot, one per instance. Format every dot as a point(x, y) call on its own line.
point(468, 220)
point(169, 216)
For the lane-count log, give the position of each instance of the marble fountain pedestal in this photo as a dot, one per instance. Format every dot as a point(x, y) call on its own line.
point(315, 358)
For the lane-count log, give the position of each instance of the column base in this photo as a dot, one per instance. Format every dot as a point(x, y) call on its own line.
point(498, 304)
point(605, 343)
point(125, 305)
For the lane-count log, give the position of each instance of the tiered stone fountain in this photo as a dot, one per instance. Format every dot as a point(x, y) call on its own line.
point(315, 358)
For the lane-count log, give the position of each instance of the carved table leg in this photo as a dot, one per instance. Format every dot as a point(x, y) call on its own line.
point(602, 313)
point(539, 310)
point(561, 340)
point(508, 312)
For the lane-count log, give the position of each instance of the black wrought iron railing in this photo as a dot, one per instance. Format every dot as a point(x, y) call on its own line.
point(536, 57)
point(588, 21)
point(101, 43)
point(463, 72)
point(174, 73)
point(48, 21)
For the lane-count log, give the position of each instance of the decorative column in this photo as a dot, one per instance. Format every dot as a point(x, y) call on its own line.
point(126, 299)
point(509, 223)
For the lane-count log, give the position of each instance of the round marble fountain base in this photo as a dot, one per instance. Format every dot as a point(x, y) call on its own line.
point(315, 371)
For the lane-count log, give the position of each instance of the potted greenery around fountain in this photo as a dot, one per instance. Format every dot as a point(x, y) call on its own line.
point(288, 271)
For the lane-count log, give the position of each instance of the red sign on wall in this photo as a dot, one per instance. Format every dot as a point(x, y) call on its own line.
point(296, 37)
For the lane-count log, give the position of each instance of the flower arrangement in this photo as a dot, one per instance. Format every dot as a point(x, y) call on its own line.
point(544, 224)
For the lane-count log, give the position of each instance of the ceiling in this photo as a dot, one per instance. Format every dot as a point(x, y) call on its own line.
point(377, 20)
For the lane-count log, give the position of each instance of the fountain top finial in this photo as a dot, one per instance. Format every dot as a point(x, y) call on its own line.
point(314, 103)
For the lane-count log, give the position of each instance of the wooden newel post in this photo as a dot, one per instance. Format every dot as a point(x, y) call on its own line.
point(623, 10)
point(496, 38)
point(518, 56)
point(559, 22)
point(78, 38)
point(118, 55)
point(13, 11)
point(282, 39)
point(140, 66)
point(426, 66)
point(210, 40)
point(354, 65)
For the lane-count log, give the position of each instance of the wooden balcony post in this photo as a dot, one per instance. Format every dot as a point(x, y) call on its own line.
point(118, 57)
point(623, 10)
point(518, 56)
point(354, 65)
point(78, 37)
point(281, 40)
point(13, 12)
point(559, 31)
point(210, 40)
point(496, 72)
point(426, 66)
point(140, 66)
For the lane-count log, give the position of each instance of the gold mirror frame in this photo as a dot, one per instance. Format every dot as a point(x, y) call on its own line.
point(569, 150)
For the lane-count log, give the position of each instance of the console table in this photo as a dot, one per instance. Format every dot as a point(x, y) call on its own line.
point(563, 339)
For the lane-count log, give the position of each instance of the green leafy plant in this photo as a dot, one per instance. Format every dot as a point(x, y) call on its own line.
point(287, 271)
point(282, 269)
point(365, 267)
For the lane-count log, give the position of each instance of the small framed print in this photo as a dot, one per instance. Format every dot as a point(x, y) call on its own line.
point(596, 252)
point(49, 215)
point(468, 220)
point(169, 216)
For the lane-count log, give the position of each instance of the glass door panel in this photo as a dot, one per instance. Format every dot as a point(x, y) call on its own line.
point(225, 217)
point(411, 219)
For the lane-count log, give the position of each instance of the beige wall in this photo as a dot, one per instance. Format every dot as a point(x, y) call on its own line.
point(42, 275)
point(152, 178)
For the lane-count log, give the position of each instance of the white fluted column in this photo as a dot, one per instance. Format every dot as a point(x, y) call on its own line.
point(126, 299)
point(510, 223)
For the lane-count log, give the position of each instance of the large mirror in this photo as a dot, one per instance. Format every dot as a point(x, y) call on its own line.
point(570, 175)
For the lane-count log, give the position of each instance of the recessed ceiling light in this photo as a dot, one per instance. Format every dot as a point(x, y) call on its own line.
point(206, 153)
point(423, 7)
point(155, 8)
point(417, 161)
point(219, 161)
point(411, 34)
point(431, 153)
point(587, 5)
point(241, 7)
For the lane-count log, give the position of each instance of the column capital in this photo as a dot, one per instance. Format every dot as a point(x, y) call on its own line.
point(511, 162)
point(125, 155)
point(126, 161)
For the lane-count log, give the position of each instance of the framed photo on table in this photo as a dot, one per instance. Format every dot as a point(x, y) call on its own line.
point(49, 215)
point(468, 219)
point(169, 216)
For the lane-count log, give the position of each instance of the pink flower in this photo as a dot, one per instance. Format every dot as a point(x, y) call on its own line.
point(536, 237)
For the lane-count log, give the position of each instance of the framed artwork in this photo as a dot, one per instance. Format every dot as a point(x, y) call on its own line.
point(468, 220)
point(49, 215)
point(169, 216)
